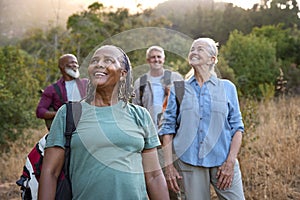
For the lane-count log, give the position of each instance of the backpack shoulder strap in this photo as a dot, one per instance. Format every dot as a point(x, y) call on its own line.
point(57, 90)
point(179, 92)
point(74, 110)
point(143, 82)
point(167, 77)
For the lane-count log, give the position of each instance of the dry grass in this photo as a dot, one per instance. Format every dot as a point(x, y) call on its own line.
point(12, 163)
point(269, 157)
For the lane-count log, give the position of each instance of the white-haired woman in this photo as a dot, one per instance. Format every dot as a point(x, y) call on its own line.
point(206, 133)
point(113, 150)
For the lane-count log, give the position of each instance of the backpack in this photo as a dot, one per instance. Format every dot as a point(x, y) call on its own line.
point(167, 82)
point(143, 82)
point(29, 179)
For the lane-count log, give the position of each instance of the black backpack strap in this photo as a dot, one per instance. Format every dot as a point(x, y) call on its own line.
point(57, 90)
point(143, 82)
point(167, 77)
point(74, 110)
point(179, 92)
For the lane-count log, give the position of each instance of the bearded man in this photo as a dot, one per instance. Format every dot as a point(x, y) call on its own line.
point(68, 88)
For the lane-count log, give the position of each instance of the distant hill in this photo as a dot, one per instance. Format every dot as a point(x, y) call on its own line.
point(178, 8)
point(16, 16)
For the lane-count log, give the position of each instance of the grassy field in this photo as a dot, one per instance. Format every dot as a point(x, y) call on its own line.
point(269, 156)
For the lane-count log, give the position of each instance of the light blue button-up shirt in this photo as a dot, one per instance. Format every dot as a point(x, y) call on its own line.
point(208, 119)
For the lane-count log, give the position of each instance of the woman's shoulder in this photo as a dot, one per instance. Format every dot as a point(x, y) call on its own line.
point(136, 108)
point(140, 113)
point(227, 83)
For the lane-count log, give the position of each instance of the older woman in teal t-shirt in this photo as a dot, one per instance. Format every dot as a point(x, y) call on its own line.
point(113, 150)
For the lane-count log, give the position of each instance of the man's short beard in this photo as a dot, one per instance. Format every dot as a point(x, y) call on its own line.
point(72, 73)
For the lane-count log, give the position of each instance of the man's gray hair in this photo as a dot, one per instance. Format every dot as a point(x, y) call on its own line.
point(155, 48)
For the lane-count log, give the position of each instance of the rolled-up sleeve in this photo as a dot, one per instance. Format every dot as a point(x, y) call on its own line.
point(235, 116)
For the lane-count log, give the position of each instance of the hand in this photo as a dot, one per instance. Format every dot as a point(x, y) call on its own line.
point(172, 175)
point(225, 174)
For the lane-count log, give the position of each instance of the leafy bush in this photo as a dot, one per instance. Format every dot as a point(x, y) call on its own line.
point(18, 93)
point(253, 60)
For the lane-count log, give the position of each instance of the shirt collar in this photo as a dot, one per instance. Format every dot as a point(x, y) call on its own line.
point(213, 79)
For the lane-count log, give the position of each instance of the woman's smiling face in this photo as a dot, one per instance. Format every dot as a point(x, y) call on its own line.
point(198, 55)
point(105, 68)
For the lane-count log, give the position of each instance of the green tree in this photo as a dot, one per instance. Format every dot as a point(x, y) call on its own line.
point(45, 47)
point(253, 60)
point(274, 12)
point(287, 51)
point(234, 18)
point(223, 70)
point(283, 39)
point(18, 93)
point(87, 29)
point(97, 24)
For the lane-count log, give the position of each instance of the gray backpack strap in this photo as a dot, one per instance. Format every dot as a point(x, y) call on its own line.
point(143, 82)
point(167, 77)
point(74, 110)
point(179, 92)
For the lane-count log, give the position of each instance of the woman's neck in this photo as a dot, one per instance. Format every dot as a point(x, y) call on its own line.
point(202, 77)
point(103, 98)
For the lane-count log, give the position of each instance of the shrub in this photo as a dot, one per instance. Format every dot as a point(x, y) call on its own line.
point(18, 93)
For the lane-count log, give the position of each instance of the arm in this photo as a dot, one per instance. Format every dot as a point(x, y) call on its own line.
point(49, 114)
point(44, 104)
point(226, 171)
point(155, 181)
point(170, 171)
point(167, 132)
point(52, 164)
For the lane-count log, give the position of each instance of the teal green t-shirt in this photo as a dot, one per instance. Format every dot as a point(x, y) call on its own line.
point(106, 159)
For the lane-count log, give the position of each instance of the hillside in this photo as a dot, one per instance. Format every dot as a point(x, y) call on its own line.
point(16, 17)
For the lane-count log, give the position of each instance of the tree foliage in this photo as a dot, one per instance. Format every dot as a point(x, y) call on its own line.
point(253, 60)
point(91, 27)
point(18, 93)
